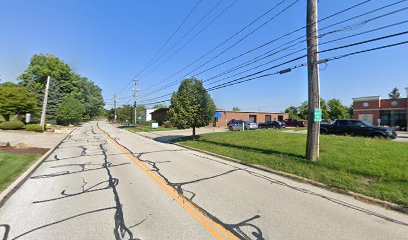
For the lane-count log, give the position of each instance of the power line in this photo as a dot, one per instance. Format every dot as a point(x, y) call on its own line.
point(241, 80)
point(171, 37)
point(188, 32)
point(264, 56)
point(162, 47)
point(328, 17)
point(231, 37)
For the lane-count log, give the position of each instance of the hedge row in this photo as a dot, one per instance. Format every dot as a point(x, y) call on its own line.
point(14, 125)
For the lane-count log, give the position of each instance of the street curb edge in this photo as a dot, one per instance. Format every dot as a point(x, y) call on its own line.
point(358, 196)
point(10, 190)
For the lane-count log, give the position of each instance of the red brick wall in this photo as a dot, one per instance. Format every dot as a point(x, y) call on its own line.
point(372, 104)
point(402, 103)
point(260, 117)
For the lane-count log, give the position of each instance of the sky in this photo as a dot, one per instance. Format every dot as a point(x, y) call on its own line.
point(110, 42)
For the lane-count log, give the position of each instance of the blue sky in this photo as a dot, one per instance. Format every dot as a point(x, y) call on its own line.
point(111, 41)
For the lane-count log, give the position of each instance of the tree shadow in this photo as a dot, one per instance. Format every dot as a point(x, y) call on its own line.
point(6, 231)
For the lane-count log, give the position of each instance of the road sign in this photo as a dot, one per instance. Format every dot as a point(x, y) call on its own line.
point(318, 115)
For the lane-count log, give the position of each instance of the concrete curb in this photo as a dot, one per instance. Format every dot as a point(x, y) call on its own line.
point(10, 190)
point(358, 196)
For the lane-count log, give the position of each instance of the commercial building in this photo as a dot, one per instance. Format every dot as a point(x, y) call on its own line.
point(382, 112)
point(259, 117)
point(160, 115)
point(146, 115)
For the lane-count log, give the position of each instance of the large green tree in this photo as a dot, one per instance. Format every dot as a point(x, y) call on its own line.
point(191, 106)
point(337, 110)
point(16, 100)
point(64, 82)
point(70, 111)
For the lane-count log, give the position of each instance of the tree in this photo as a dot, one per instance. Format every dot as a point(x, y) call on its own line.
point(292, 112)
point(191, 106)
point(157, 106)
point(337, 110)
point(394, 94)
point(70, 111)
point(303, 110)
point(236, 109)
point(16, 100)
point(64, 82)
point(124, 113)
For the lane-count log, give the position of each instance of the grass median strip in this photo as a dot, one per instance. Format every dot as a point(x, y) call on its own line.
point(12, 165)
point(376, 168)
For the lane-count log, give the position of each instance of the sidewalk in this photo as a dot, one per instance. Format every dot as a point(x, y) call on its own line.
point(31, 139)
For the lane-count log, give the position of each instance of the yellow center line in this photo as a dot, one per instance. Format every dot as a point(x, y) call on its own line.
point(217, 230)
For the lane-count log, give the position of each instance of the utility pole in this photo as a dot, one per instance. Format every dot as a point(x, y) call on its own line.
point(135, 90)
point(314, 111)
point(114, 107)
point(44, 108)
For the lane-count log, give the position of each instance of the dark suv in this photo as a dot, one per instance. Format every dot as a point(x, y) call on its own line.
point(357, 128)
point(272, 124)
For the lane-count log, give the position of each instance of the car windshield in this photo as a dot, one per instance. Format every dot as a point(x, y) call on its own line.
point(367, 123)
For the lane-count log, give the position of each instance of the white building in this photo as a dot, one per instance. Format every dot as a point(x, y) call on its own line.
point(146, 115)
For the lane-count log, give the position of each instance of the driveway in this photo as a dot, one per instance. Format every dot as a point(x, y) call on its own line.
point(32, 139)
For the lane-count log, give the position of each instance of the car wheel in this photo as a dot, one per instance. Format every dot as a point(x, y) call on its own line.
point(245, 128)
point(323, 131)
point(378, 136)
point(230, 128)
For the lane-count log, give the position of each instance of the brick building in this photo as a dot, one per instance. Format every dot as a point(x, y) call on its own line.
point(382, 112)
point(258, 117)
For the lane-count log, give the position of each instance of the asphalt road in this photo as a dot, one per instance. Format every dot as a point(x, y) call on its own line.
point(113, 184)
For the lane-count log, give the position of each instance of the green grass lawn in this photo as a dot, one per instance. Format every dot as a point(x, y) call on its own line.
point(377, 168)
point(147, 129)
point(12, 166)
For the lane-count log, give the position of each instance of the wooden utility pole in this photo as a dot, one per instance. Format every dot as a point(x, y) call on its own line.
point(44, 108)
point(114, 107)
point(135, 90)
point(313, 125)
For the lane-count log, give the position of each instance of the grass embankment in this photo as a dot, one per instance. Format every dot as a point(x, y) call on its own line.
point(148, 129)
point(377, 168)
point(13, 165)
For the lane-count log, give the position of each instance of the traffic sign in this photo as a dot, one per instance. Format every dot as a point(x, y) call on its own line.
point(318, 115)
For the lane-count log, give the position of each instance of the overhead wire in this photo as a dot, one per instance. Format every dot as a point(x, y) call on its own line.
point(261, 57)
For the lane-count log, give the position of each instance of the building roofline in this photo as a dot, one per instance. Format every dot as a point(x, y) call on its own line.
point(250, 112)
point(367, 98)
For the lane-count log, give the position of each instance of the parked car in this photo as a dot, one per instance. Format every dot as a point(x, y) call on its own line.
point(237, 125)
point(295, 123)
point(357, 128)
point(272, 124)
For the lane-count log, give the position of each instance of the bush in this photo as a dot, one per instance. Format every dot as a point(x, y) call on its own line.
point(11, 125)
point(33, 127)
point(167, 124)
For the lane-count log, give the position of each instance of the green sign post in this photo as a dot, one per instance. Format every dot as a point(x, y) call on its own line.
point(318, 115)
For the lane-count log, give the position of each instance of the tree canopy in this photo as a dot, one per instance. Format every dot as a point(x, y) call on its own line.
point(157, 106)
point(16, 100)
point(70, 111)
point(332, 109)
point(64, 82)
point(394, 94)
point(236, 109)
point(191, 106)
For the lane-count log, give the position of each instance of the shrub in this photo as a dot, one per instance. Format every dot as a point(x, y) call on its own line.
point(12, 125)
point(167, 124)
point(33, 127)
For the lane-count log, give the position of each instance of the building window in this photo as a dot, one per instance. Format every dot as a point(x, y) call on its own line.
point(394, 118)
point(268, 118)
point(252, 118)
point(280, 117)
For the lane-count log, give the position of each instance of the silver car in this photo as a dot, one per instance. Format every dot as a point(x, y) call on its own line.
point(238, 125)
